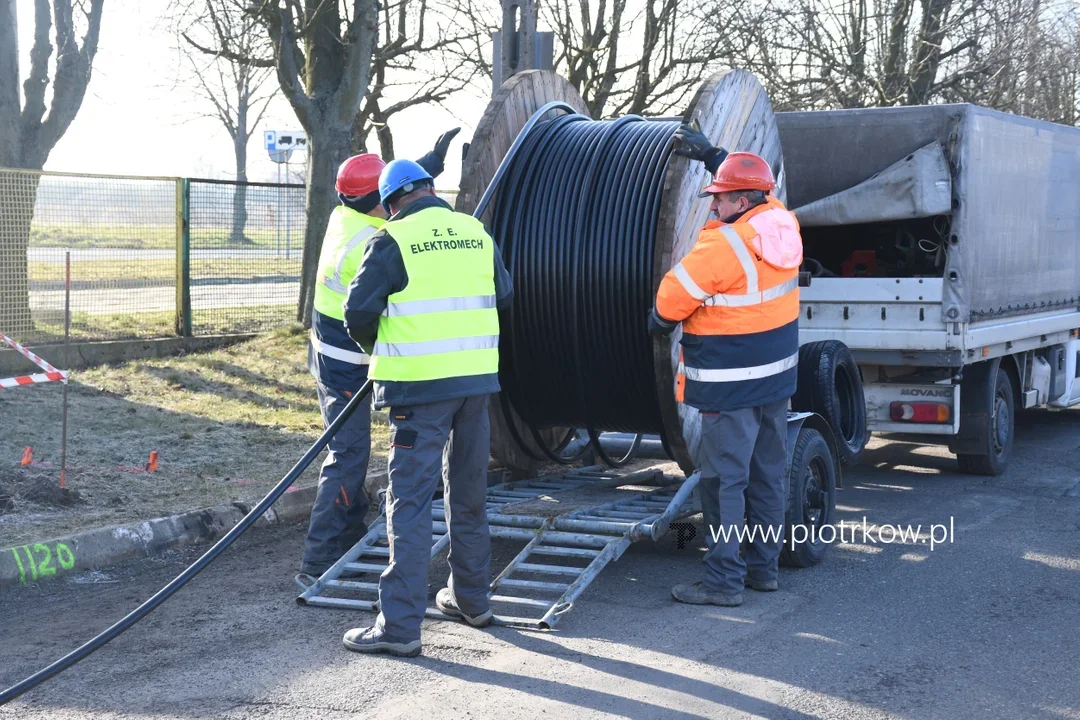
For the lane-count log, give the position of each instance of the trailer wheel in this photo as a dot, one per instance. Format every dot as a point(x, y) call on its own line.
point(811, 500)
point(830, 385)
point(987, 401)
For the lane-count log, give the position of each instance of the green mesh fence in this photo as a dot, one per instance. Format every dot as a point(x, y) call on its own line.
point(247, 242)
point(129, 239)
point(121, 234)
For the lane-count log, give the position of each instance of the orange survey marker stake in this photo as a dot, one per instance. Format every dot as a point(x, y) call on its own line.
point(152, 465)
point(27, 457)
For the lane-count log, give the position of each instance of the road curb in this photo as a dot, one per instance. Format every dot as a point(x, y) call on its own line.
point(106, 546)
point(101, 547)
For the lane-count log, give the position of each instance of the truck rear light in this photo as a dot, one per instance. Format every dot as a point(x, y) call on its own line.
point(920, 412)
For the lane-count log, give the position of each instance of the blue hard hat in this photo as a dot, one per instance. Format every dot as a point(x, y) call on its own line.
point(400, 175)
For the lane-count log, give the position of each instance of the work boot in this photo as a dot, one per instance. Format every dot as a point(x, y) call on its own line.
point(445, 601)
point(313, 569)
point(698, 594)
point(761, 585)
point(371, 640)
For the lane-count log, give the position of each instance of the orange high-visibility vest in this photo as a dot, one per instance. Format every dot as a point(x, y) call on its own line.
point(737, 295)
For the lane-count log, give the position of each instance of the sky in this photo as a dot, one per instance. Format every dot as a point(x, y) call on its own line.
point(142, 116)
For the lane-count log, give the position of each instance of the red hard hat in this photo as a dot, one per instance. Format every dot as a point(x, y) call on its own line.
point(359, 175)
point(741, 171)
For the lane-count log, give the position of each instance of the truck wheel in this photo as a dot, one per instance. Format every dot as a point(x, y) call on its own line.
point(830, 385)
point(994, 401)
point(811, 500)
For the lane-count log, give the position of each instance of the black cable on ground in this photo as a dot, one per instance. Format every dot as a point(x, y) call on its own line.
point(182, 579)
point(576, 219)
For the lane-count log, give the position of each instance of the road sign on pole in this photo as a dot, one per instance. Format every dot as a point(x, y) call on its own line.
point(280, 144)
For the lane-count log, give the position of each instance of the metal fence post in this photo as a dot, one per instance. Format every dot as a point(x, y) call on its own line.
point(183, 257)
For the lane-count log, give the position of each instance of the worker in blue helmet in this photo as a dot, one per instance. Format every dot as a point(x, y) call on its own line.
point(424, 305)
point(338, 366)
point(401, 176)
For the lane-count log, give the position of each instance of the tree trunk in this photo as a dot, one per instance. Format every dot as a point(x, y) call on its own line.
point(20, 193)
point(239, 218)
point(328, 147)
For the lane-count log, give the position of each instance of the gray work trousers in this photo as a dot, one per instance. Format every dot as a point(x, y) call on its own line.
point(337, 517)
point(743, 460)
point(418, 438)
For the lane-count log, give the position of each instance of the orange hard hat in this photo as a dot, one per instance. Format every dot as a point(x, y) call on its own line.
point(359, 175)
point(741, 171)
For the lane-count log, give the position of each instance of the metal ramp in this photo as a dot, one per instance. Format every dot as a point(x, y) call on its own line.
point(562, 555)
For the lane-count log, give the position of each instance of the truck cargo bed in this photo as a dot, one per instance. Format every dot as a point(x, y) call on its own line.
point(1008, 247)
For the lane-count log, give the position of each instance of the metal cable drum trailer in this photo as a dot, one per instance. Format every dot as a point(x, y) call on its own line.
point(589, 216)
point(944, 243)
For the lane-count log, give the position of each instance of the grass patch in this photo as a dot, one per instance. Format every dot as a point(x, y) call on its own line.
point(49, 325)
point(227, 424)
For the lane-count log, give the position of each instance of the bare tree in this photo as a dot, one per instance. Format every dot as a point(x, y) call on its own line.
point(346, 68)
point(232, 83)
point(30, 127)
point(814, 54)
point(424, 56)
point(623, 56)
point(627, 62)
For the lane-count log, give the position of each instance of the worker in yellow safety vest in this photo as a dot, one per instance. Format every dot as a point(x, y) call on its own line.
point(337, 363)
point(736, 294)
point(425, 306)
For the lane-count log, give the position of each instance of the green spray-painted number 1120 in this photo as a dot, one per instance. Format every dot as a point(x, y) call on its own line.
point(42, 565)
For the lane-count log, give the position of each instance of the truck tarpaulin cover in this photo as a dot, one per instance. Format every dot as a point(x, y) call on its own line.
point(918, 185)
point(1014, 236)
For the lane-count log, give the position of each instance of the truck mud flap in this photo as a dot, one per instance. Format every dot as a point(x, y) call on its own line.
point(796, 421)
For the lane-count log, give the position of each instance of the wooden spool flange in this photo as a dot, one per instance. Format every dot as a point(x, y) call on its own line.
point(733, 110)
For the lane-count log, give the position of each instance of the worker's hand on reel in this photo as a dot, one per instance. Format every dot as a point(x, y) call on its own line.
point(443, 143)
point(658, 325)
point(692, 143)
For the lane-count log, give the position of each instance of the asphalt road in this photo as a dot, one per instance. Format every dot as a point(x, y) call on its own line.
point(56, 255)
point(118, 301)
point(985, 626)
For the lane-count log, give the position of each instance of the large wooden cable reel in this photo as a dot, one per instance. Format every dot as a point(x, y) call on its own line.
point(734, 111)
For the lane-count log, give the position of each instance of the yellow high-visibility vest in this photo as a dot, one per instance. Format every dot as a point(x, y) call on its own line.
point(444, 323)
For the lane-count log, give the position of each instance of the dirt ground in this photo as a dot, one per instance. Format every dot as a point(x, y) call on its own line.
point(226, 425)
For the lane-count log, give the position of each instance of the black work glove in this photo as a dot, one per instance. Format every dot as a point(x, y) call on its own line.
point(693, 144)
point(658, 325)
point(443, 143)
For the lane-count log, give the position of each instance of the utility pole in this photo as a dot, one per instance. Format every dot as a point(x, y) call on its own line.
point(519, 46)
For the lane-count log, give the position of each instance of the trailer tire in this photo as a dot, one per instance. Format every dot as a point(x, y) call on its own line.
point(988, 394)
point(811, 499)
point(830, 385)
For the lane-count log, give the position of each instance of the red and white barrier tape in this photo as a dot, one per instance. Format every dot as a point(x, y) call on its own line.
point(51, 374)
point(59, 375)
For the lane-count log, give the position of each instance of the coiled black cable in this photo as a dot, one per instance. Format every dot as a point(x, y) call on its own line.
point(576, 219)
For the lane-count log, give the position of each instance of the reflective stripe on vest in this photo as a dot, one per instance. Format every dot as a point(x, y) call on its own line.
point(727, 375)
point(747, 299)
point(752, 296)
point(435, 347)
point(444, 323)
point(688, 283)
point(423, 307)
point(743, 254)
point(335, 281)
point(349, 356)
point(347, 233)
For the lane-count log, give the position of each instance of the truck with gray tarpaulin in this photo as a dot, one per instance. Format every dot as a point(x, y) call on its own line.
point(943, 245)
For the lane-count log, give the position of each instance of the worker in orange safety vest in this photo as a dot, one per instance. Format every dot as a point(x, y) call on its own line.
point(736, 294)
